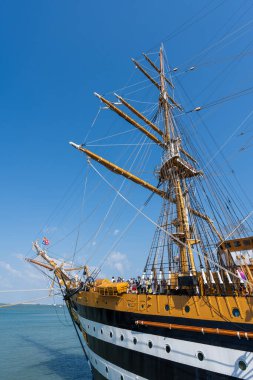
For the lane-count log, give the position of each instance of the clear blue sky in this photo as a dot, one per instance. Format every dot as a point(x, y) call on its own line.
point(54, 55)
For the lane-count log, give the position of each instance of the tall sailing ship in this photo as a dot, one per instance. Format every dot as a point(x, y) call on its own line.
point(190, 313)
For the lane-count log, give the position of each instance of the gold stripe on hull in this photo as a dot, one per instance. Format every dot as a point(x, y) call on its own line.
point(215, 308)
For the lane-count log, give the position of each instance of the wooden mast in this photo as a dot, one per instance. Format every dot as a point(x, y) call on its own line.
point(158, 86)
point(157, 69)
point(183, 231)
point(174, 170)
point(169, 130)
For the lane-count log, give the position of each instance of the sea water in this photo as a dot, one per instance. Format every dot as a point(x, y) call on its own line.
point(38, 342)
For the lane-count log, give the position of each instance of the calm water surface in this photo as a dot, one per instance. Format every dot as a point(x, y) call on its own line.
point(38, 342)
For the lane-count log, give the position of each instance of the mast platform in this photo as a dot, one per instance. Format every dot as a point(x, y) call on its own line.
point(184, 169)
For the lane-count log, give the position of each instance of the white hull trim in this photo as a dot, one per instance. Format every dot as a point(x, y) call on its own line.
point(107, 369)
point(216, 359)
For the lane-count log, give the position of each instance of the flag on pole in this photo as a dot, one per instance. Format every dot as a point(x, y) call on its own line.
point(45, 241)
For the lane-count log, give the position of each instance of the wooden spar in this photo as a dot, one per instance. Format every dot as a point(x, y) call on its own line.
point(157, 69)
point(173, 102)
point(207, 219)
point(146, 74)
point(203, 330)
point(43, 254)
point(187, 154)
point(157, 84)
point(70, 269)
point(130, 120)
point(57, 270)
point(118, 170)
point(40, 264)
point(140, 115)
point(151, 63)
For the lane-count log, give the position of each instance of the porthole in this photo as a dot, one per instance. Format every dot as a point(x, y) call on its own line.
point(121, 377)
point(150, 344)
point(242, 365)
point(88, 326)
point(101, 331)
point(166, 307)
point(142, 306)
point(135, 341)
point(96, 361)
point(200, 356)
point(106, 368)
point(167, 348)
point(121, 338)
point(94, 328)
point(111, 334)
point(187, 309)
point(236, 312)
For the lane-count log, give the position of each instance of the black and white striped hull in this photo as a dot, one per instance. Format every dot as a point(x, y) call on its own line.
point(119, 353)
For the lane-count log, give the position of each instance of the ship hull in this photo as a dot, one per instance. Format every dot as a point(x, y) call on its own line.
point(118, 349)
point(171, 373)
point(154, 369)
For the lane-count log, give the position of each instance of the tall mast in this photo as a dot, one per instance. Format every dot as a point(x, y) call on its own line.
point(174, 179)
point(176, 169)
point(169, 131)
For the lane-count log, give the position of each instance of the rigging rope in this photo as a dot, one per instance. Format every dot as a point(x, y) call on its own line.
point(223, 99)
point(230, 137)
point(92, 125)
point(139, 101)
point(98, 269)
point(233, 58)
point(199, 148)
point(70, 305)
point(224, 38)
point(73, 230)
point(81, 214)
point(143, 139)
point(165, 231)
point(111, 145)
point(23, 290)
point(188, 23)
point(108, 137)
point(24, 302)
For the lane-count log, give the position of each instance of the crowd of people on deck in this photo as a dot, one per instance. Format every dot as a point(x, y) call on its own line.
point(144, 285)
point(158, 285)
